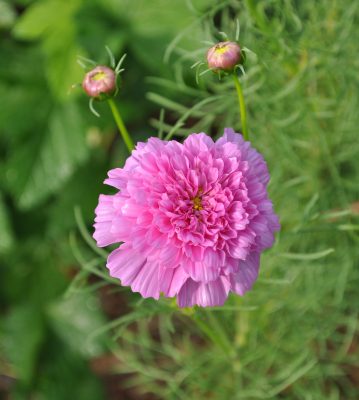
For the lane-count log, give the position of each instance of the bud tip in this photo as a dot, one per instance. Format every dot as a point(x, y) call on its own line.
point(224, 56)
point(99, 81)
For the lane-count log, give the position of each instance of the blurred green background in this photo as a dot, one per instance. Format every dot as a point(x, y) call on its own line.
point(67, 330)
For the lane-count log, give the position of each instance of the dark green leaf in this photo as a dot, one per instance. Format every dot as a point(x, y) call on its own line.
point(41, 167)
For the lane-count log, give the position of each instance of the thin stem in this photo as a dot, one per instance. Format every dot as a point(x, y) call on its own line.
point(242, 106)
point(121, 126)
point(214, 330)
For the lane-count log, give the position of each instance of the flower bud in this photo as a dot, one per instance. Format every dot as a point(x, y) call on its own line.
point(100, 81)
point(224, 56)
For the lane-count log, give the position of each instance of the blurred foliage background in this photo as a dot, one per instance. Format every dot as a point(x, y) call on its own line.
point(67, 330)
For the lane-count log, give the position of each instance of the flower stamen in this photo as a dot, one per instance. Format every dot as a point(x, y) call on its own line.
point(98, 76)
point(221, 48)
point(197, 203)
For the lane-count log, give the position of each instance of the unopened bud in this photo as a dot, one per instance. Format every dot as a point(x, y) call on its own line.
point(99, 82)
point(224, 56)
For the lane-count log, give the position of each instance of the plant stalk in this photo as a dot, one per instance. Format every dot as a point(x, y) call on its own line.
point(242, 106)
point(121, 126)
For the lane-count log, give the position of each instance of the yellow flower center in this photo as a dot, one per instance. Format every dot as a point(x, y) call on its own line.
point(221, 49)
point(99, 76)
point(197, 203)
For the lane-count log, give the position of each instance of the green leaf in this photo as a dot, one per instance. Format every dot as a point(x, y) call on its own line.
point(81, 190)
point(52, 22)
point(31, 108)
point(7, 236)
point(149, 38)
point(74, 319)
point(65, 375)
point(41, 167)
point(43, 16)
point(24, 327)
point(7, 15)
point(307, 256)
point(62, 70)
point(25, 95)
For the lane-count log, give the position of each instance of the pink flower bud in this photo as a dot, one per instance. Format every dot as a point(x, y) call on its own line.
point(99, 81)
point(224, 56)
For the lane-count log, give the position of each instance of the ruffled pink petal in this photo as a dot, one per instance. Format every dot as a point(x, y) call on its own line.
point(265, 240)
point(116, 178)
point(204, 294)
point(214, 259)
point(172, 280)
point(200, 272)
point(134, 270)
point(198, 142)
point(125, 263)
point(122, 228)
point(170, 256)
point(147, 281)
point(105, 212)
point(243, 280)
point(231, 136)
point(258, 166)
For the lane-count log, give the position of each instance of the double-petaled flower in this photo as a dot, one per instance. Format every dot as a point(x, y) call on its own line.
point(193, 218)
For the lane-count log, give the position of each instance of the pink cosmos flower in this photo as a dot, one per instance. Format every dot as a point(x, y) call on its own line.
point(193, 218)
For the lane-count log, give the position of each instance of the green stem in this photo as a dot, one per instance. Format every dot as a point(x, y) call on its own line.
point(242, 106)
point(214, 330)
point(121, 126)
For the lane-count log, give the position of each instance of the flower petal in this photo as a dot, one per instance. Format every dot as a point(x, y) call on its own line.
point(171, 280)
point(147, 281)
point(204, 294)
point(200, 272)
point(103, 222)
point(125, 263)
point(247, 273)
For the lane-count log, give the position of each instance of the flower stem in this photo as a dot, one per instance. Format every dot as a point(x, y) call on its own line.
point(121, 126)
point(242, 106)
